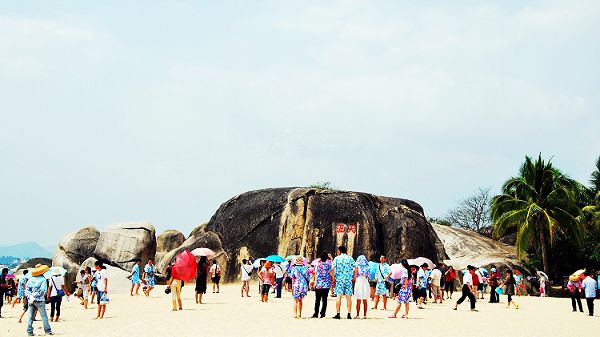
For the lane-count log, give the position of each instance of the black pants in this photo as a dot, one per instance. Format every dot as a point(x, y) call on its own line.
point(466, 292)
point(55, 302)
point(1, 301)
point(494, 298)
point(449, 287)
point(576, 298)
point(590, 304)
point(321, 297)
point(279, 283)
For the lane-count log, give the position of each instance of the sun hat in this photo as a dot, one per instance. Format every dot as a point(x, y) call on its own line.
point(268, 264)
point(574, 278)
point(299, 260)
point(55, 271)
point(493, 270)
point(39, 269)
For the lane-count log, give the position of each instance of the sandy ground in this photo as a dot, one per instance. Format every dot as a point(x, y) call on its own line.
point(226, 314)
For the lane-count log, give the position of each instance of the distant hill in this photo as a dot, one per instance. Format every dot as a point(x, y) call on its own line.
point(25, 250)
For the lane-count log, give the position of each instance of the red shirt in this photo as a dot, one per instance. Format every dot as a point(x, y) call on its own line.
point(450, 275)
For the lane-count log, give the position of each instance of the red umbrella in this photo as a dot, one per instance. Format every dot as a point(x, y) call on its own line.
point(185, 266)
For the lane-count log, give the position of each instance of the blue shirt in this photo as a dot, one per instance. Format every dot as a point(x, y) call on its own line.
point(372, 269)
point(323, 276)
point(422, 279)
point(36, 289)
point(383, 269)
point(343, 266)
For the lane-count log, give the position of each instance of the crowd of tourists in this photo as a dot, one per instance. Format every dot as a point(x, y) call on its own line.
point(367, 282)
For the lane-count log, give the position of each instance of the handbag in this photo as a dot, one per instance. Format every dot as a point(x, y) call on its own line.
point(59, 292)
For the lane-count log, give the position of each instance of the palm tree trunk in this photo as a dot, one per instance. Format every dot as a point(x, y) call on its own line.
point(543, 249)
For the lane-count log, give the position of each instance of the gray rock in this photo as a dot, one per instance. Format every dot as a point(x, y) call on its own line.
point(198, 239)
point(121, 244)
point(308, 222)
point(61, 259)
point(81, 244)
point(169, 240)
point(32, 263)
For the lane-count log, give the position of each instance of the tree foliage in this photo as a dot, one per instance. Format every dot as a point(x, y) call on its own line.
point(472, 213)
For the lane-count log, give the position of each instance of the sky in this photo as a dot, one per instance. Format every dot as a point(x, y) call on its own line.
point(115, 111)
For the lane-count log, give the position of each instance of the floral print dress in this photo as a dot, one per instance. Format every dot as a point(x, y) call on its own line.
point(300, 278)
point(405, 292)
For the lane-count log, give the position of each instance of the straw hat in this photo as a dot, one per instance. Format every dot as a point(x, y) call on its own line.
point(299, 260)
point(268, 264)
point(574, 278)
point(39, 269)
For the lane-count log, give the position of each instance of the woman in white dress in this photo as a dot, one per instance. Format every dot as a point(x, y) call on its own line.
point(362, 290)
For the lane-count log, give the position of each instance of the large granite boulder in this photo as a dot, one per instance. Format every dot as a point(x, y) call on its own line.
point(169, 240)
point(121, 244)
point(80, 245)
point(63, 260)
point(308, 222)
point(199, 238)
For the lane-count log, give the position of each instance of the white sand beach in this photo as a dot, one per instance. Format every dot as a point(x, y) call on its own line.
point(227, 314)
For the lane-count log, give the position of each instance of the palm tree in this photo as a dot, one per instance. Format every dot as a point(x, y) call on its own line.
point(592, 211)
point(541, 203)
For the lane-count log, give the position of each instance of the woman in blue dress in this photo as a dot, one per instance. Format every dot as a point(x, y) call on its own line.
point(149, 277)
point(135, 278)
point(405, 292)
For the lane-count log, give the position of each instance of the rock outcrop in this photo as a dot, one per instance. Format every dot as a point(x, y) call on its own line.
point(63, 260)
point(199, 238)
point(308, 221)
point(121, 244)
point(169, 240)
point(32, 263)
point(80, 245)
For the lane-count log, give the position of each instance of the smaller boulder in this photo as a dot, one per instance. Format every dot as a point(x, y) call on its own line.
point(81, 244)
point(61, 259)
point(169, 240)
point(121, 245)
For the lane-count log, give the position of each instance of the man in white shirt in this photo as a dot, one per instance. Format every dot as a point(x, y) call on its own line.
point(436, 278)
point(246, 270)
point(590, 285)
point(102, 285)
point(468, 289)
point(279, 273)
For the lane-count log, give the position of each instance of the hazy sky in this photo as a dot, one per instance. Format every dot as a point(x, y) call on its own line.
point(115, 111)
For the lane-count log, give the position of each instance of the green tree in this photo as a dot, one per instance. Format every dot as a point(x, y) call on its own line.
point(592, 210)
point(539, 203)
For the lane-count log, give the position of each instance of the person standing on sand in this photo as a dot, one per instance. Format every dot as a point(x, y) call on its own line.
point(94, 290)
point(102, 284)
point(494, 281)
point(36, 290)
point(279, 276)
point(149, 277)
point(135, 278)
point(57, 283)
point(381, 289)
point(201, 276)
point(342, 273)
point(574, 286)
point(246, 270)
point(519, 286)
point(300, 278)
point(215, 275)
point(511, 288)
point(468, 289)
point(322, 285)
point(174, 287)
point(85, 286)
point(405, 292)
point(21, 287)
point(3, 288)
point(267, 276)
point(450, 276)
point(362, 290)
point(590, 286)
point(436, 283)
point(422, 284)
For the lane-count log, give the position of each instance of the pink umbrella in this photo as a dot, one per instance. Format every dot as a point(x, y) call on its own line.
point(203, 252)
point(185, 266)
point(396, 270)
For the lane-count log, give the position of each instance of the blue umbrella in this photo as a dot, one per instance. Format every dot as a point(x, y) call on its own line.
point(275, 258)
